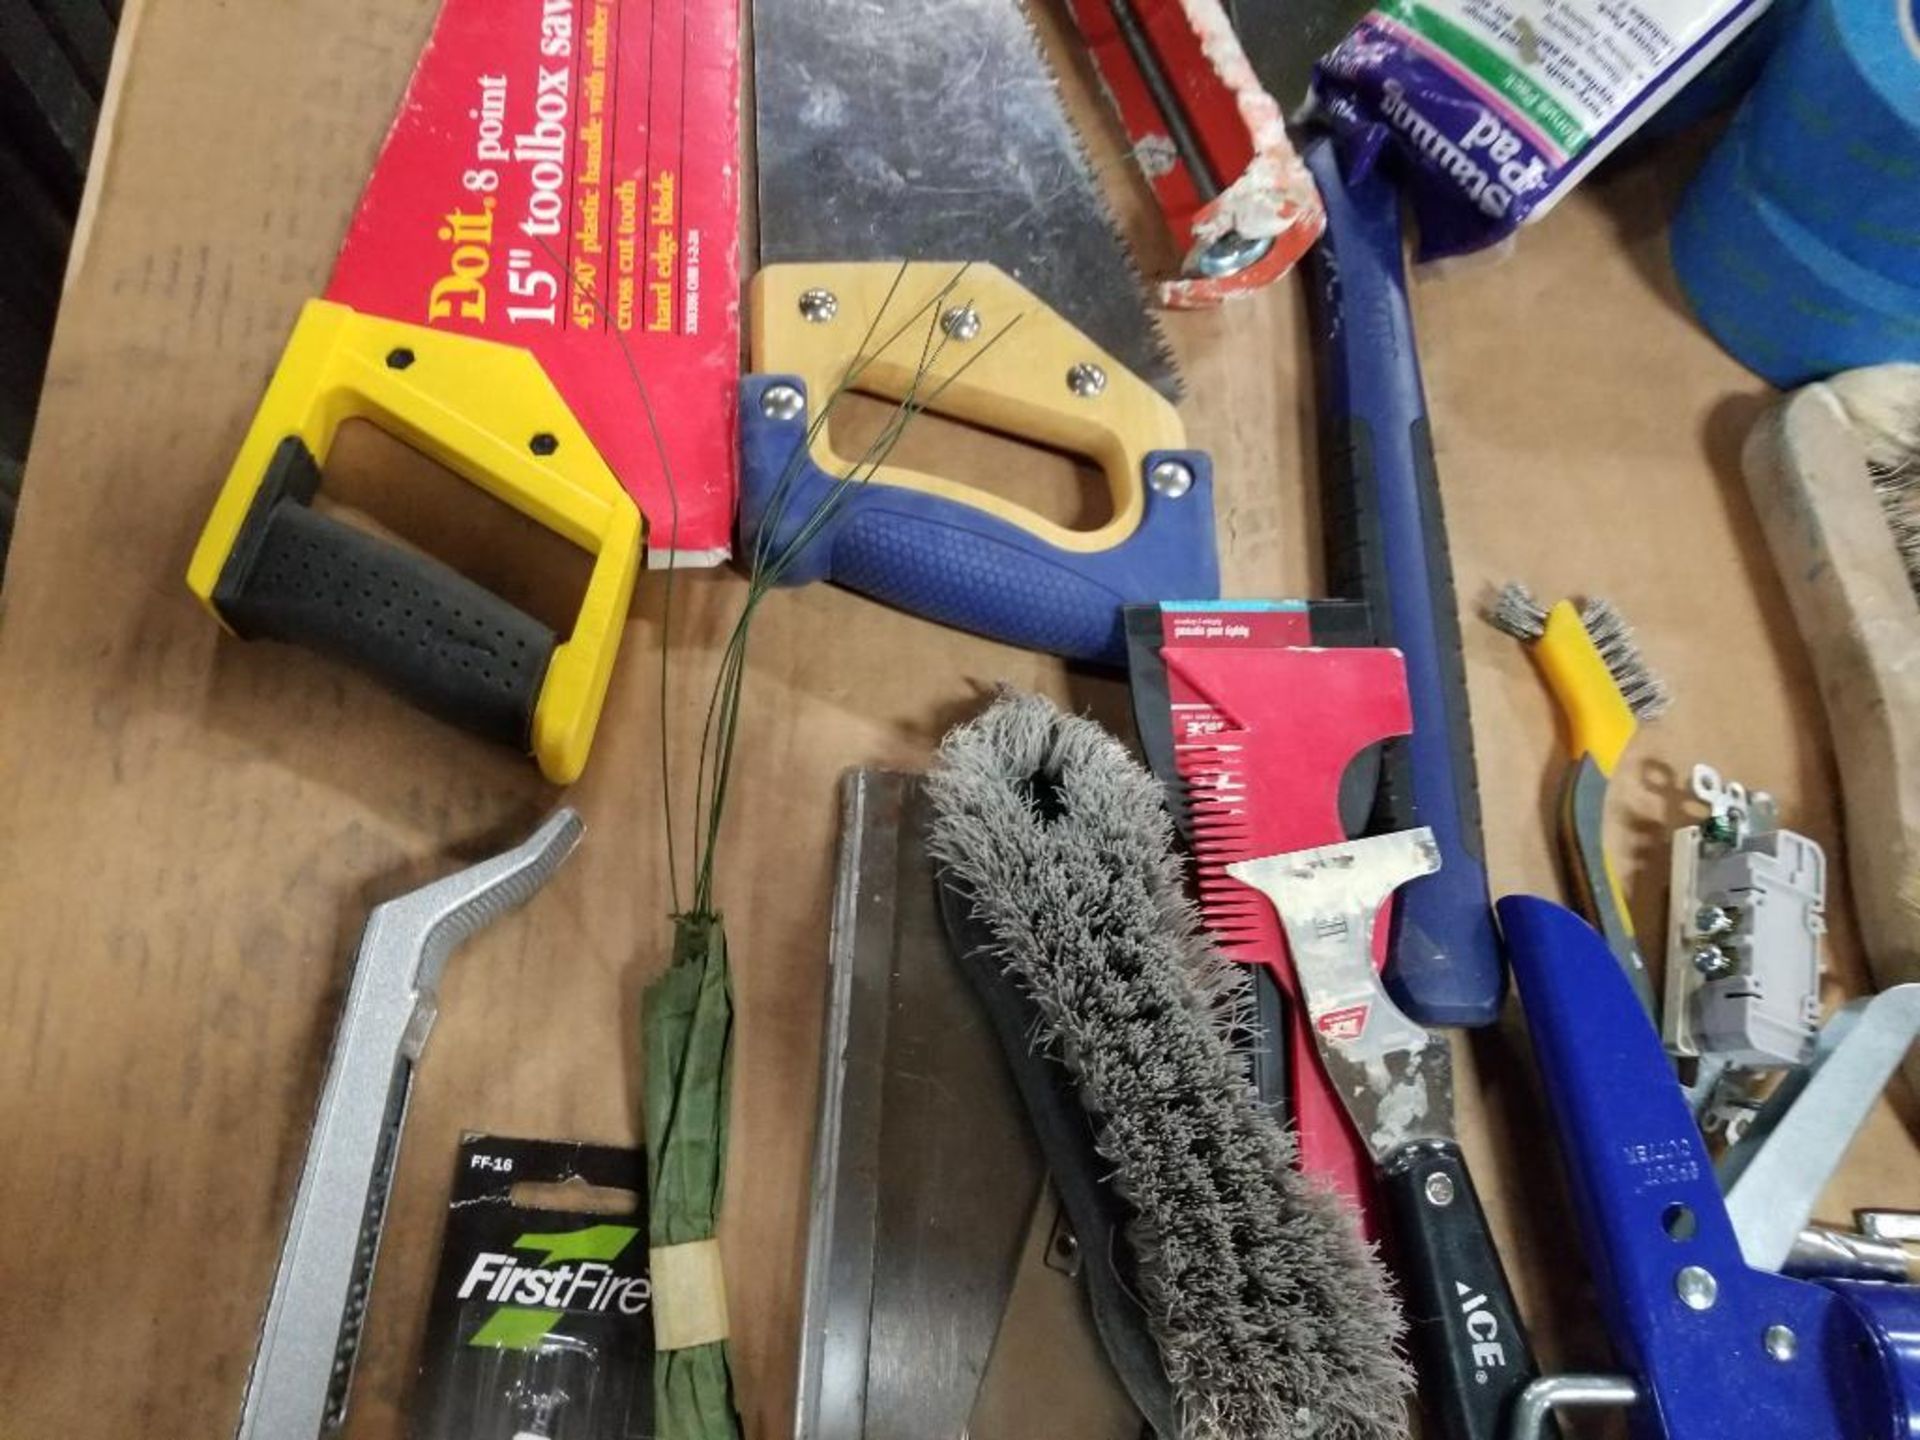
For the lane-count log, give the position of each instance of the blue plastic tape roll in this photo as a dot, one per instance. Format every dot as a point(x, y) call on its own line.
point(1835, 138)
point(1779, 297)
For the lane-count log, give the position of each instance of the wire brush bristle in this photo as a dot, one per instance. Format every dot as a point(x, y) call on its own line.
point(1645, 692)
point(1274, 1319)
point(1882, 404)
point(1514, 610)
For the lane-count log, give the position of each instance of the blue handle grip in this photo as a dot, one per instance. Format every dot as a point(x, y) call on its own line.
point(1650, 1209)
point(961, 565)
point(1387, 544)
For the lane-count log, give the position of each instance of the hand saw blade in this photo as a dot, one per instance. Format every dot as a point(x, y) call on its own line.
point(933, 130)
point(925, 1171)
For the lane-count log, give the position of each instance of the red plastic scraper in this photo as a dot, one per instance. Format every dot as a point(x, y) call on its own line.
point(1262, 737)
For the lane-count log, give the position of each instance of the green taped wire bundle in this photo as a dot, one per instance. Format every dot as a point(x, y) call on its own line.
point(687, 1015)
point(687, 1040)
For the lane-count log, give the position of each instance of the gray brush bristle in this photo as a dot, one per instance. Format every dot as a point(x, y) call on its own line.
point(1514, 610)
point(1274, 1319)
point(1645, 692)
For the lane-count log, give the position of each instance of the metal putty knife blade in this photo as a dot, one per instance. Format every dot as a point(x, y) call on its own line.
point(933, 130)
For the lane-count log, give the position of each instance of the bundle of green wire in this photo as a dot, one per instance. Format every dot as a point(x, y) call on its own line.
point(687, 1016)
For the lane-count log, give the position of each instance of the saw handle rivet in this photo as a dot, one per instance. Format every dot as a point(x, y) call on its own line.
point(782, 402)
point(1696, 1287)
point(961, 323)
point(1439, 1189)
point(1171, 479)
point(1679, 1222)
point(1782, 1344)
point(1086, 379)
point(818, 306)
point(399, 358)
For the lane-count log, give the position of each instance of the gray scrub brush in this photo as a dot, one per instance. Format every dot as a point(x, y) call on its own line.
point(1271, 1316)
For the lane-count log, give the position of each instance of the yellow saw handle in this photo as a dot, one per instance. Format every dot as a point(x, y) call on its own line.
point(267, 565)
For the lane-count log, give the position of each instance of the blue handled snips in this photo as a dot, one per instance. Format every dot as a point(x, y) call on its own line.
point(967, 343)
point(1711, 1347)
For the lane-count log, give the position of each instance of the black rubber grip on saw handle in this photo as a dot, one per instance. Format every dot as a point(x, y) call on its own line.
point(450, 646)
point(1470, 1348)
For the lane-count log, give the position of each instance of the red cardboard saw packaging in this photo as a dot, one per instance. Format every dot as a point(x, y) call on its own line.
point(563, 177)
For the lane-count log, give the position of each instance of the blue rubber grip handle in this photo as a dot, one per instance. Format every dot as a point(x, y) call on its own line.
point(958, 564)
point(1387, 545)
point(1688, 1319)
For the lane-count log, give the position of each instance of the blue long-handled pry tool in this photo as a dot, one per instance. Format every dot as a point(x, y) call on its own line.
point(1386, 543)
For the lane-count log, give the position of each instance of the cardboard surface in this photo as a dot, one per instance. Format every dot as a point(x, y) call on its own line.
point(194, 828)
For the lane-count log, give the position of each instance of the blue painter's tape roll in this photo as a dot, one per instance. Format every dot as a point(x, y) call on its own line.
point(1835, 139)
point(1783, 301)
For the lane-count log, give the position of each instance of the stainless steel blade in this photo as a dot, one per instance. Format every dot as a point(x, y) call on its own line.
point(933, 130)
point(1048, 1377)
point(303, 1368)
point(925, 1172)
point(1395, 1078)
point(1774, 1176)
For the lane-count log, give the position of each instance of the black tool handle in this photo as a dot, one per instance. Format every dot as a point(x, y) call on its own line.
point(452, 647)
point(1469, 1346)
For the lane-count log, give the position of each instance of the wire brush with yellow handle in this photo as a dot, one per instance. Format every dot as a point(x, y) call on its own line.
point(1606, 691)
